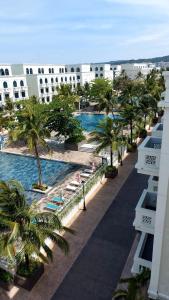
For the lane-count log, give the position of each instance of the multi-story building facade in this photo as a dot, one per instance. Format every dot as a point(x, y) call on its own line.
point(19, 81)
point(152, 211)
point(132, 70)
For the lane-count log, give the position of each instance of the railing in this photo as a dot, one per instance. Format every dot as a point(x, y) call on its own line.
point(82, 191)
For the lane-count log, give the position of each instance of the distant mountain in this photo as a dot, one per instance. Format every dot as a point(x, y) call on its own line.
point(141, 60)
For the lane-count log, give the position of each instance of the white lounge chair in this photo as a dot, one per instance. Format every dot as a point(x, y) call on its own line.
point(71, 188)
point(86, 175)
point(90, 171)
point(75, 182)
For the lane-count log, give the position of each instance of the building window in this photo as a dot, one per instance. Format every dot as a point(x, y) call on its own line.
point(61, 79)
point(43, 100)
point(16, 95)
point(52, 80)
point(47, 99)
point(53, 89)
point(31, 71)
point(0, 98)
point(65, 70)
point(2, 72)
point(42, 91)
point(46, 81)
point(14, 84)
point(40, 81)
point(101, 75)
point(65, 78)
point(42, 70)
point(74, 85)
point(23, 94)
point(49, 70)
point(6, 72)
point(78, 77)
point(5, 85)
point(21, 83)
point(6, 96)
point(72, 70)
point(70, 78)
point(47, 90)
point(39, 71)
point(56, 79)
point(96, 69)
point(101, 68)
point(77, 69)
point(90, 69)
point(53, 70)
point(27, 71)
point(96, 75)
point(74, 78)
point(60, 70)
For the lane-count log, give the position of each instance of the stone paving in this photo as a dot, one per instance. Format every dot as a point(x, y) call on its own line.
point(84, 223)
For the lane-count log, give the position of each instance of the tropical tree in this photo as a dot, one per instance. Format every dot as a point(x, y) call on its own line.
point(66, 96)
point(26, 228)
point(30, 128)
point(105, 135)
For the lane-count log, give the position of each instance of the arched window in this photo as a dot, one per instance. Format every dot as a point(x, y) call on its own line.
point(46, 81)
point(5, 85)
point(61, 79)
point(70, 78)
point(101, 75)
point(31, 71)
point(90, 69)
point(42, 70)
point(62, 70)
point(14, 84)
point(101, 68)
point(96, 75)
point(52, 80)
point(2, 72)
point(96, 69)
point(65, 70)
point(27, 71)
point(40, 81)
point(39, 71)
point(74, 78)
point(77, 69)
point(78, 77)
point(65, 78)
point(52, 70)
point(72, 70)
point(56, 79)
point(6, 72)
point(21, 83)
point(49, 70)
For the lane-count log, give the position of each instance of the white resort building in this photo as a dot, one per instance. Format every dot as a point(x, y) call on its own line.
point(19, 81)
point(152, 211)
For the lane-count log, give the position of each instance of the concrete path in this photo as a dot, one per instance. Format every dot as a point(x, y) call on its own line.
point(97, 270)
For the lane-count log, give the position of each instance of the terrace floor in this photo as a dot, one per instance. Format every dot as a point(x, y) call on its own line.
point(98, 251)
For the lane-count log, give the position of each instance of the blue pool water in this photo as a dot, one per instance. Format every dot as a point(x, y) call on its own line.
point(24, 169)
point(90, 121)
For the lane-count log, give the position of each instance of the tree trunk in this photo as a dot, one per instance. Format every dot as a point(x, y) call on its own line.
point(145, 119)
point(121, 156)
point(38, 165)
point(111, 156)
point(27, 262)
point(131, 132)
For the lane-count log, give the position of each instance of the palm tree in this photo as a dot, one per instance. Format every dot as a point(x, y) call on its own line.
point(30, 128)
point(106, 134)
point(27, 228)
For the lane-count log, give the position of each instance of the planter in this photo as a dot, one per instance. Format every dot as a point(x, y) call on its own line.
point(6, 285)
point(154, 120)
point(29, 282)
point(142, 134)
point(131, 148)
point(111, 174)
point(72, 146)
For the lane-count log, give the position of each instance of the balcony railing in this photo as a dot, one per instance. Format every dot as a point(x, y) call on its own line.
point(146, 212)
point(153, 184)
point(157, 130)
point(143, 255)
point(149, 156)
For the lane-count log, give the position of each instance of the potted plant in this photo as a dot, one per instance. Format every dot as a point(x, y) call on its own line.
point(111, 172)
point(6, 280)
point(131, 147)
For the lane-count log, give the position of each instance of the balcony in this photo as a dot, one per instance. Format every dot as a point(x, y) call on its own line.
point(143, 255)
point(157, 130)
point(149, 156)
point(145, 212)
point(153, 184)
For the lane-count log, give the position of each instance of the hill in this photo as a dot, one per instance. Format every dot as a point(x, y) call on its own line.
point(141, 60)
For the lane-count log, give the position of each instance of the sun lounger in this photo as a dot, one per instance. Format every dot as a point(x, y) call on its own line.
point(75, 182)
point(52, 206)
point(90, 171)
point(71, 188)
point(85, 175)
point(58, 199)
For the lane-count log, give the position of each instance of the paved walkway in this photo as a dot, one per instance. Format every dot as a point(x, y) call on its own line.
point(97, 270)
point(84, 223)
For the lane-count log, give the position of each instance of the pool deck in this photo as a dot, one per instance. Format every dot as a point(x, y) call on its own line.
point(85, 223)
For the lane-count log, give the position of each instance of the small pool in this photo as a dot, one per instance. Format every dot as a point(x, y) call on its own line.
point(24, 169)
point(90, 121)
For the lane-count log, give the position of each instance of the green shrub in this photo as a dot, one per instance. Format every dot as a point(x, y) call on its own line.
point(24, 272)
point(5, 276)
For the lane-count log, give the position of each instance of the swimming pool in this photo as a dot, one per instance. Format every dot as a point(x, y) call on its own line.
point(90, 121)
point(24, 169)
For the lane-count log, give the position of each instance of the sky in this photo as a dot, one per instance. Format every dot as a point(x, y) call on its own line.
point(82, 31)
